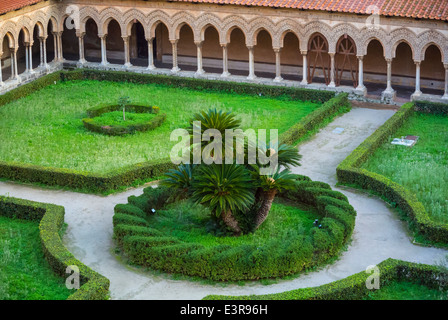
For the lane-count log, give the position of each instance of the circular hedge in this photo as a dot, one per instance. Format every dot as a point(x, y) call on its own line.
point(93, 123)
point(147, 246)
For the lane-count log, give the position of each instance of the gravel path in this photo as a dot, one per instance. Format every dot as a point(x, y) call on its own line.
point(378, 234)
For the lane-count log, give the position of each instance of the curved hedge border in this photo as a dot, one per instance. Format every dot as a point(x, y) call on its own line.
point(148, 247)
point(117, 130)
point(51, 217)
point(123, 177)
point(354, 286)
point(350, 172)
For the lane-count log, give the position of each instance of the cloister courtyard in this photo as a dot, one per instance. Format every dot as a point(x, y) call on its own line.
point(93, 205)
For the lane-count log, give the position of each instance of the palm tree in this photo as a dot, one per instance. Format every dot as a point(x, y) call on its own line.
point(180, 179)
point(268, 187)
point(224, 189)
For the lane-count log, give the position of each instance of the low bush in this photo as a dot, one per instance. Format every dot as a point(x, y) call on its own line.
point(354, 287)
point(93, 285)
point(431, 107)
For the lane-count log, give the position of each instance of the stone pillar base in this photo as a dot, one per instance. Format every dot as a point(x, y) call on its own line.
point(388, 96)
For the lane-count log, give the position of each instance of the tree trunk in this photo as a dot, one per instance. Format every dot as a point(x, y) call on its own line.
point(267, 199)
point(231, 222)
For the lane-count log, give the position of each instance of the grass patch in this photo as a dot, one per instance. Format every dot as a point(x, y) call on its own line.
point(404, 290)
point(191, 223)
point(422, 168)
point(24, 272)
point(45, 128)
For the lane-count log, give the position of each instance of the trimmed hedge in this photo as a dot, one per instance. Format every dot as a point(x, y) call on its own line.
point(147, 247)
point(51, 217)
point(354, 287)
point(123, 177)
point(350, 172)
point(431, 107)
point(119, 130)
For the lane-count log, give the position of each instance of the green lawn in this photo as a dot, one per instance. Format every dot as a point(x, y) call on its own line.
point(191, 223)
point(24, 272)
point(423, 168)
point(45, 128)
point(402, 290)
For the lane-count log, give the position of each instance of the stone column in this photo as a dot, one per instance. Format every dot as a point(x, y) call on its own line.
point(278, 66)
point(60, 50)
point(251, 75)
point(82, 58)
point(127, 56)
point(445, 96)
point(30, 56)
point(361, 86)
point(104, 50)
point(150, 54)
point(175, 68)
point(44, 50)
point(388, 95)
point(417, 92)
point(200, 69)
point(225, 61)
point(27, 58)
point(304, 68)
point(55, 45)
point(14, 69)
point(332, 71)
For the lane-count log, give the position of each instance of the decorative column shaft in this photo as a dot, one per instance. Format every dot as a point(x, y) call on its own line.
point(200, 69)
point(332, 71)
point(389, 76)
point(55, 45)
point(104, 50)
point(150, 54)
point(361, 85)
point(82, 58)
point(30, 56)
point(127, 55)
point(1, 69)
point(60, 51)
point(251, 75)
point(417, 79)
point(27, 58)
point(304, 68)
point(175, 68)
point(225, 61)
point(14, 69)
point(278, 66)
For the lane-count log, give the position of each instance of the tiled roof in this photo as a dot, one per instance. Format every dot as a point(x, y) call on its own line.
point(425, 9)
point(10, 5)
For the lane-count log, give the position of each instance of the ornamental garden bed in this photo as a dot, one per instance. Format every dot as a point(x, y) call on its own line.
point(413, 179)
point(44, 140)
point(117, 120)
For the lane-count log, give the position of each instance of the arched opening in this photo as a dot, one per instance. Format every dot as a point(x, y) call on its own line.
point(433, 72)
point(186, 49)
point(403, 71)
point(346, 62)
point(51, 45)
point(375, 68)
point(6, 58)
point(319, 65)
point(237, 53)
point(70, 43)
point(22, 54)
point(291, 58)
point(138, 45)
point(92, 43)
point(212, 51)
point(114, 43)
point(163, 53)
point(264, 55)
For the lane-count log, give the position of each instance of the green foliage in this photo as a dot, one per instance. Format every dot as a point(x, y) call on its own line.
point(431, 107)
point(93, 285)
point(223, 188)
point(354, 287)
